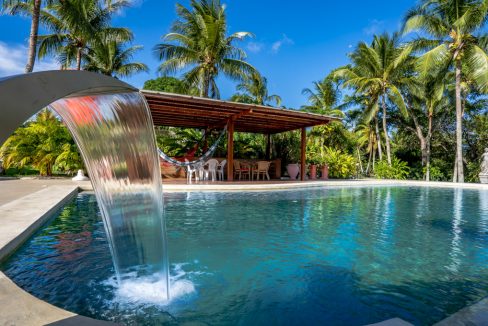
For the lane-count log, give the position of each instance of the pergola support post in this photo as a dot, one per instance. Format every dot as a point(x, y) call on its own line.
point(268, 147)
point(303, 154)
point(230, 150)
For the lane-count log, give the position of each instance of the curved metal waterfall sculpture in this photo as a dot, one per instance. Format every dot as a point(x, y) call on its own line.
point(112, 126)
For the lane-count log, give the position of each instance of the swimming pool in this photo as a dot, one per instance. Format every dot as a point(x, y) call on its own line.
point(343, 256)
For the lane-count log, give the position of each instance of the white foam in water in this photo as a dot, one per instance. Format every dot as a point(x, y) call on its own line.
point(152, 289)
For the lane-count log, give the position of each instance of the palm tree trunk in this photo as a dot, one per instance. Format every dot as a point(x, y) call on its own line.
point(378, 136)
point(36, 12)
point(78, 59)
point(427, 149)
point(424, 146)
point(385, 130)
point(459, 170)
point(205, 86)
point(369, 160)
point(374, 159)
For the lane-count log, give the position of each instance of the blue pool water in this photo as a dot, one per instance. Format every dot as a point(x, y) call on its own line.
point(345, 256)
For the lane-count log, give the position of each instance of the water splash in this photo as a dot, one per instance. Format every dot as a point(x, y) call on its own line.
point(115, 135)
point(149, 290)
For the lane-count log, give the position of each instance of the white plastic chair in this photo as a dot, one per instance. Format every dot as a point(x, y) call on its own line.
point(211, 165)
point(220, 170)
point(190, 172)
point(262, 168)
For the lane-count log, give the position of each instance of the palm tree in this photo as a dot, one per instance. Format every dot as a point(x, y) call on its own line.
point(366, 138)
point(76, 24)
point(30, 8)
point(425, 105)
point(452, 25)
point(255, 90)
point(323, 98)
point(198, 42)
point(109, 57)
point(41, 143)
point(378, 71)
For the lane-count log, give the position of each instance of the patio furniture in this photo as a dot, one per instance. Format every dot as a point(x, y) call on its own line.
point(242, 169)
point(220, 170)
point(190, 172)
point(261, 168)
point(212, 166)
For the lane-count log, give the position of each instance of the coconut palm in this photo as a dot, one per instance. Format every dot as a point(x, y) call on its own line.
point(367, 139)
point(75, 25)
point(198, 42)
point(424, 105)
point(452, 26)
point(323, 98)
point(378, 71)
point(254, 90)
point(109, 57)
point(31, 8)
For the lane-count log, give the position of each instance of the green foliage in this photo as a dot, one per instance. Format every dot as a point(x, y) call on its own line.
point(198, 43)
point(398, 169)
point(287, 147)
point(77, 27)
point(169, 85)
point(254, 90)
point(112, 58)
point(323, 98)
point(341, 165)
point(44, 144)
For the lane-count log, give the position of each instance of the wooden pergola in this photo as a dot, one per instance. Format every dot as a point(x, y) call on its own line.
point(176, 110)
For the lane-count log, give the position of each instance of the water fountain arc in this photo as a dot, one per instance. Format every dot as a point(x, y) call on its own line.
point(112, 126)
point(21, 96)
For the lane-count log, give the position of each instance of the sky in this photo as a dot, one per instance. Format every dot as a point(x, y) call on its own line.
point(294, 43)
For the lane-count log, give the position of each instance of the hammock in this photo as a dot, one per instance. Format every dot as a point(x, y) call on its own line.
point(202, 159)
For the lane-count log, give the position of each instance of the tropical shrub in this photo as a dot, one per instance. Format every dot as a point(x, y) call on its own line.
point(44, 144)
point(398, 169)
point(341, 165)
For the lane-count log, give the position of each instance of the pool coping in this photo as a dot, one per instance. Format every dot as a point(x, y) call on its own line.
point(37, 208)
point(290, 185)
point(20, 219)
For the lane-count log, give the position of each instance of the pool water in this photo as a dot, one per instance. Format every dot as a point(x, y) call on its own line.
point(343, 256)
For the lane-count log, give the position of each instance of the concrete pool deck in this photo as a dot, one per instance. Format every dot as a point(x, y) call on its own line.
point(26, 204)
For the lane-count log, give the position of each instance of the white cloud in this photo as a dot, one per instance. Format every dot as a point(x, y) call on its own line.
point(254, 47)
point(285, 40)
point(375, 26)
point(13, 58)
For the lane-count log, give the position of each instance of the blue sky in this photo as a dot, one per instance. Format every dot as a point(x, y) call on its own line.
point(295, 43)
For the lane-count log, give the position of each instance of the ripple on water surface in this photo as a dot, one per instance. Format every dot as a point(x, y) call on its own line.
point(323, 256)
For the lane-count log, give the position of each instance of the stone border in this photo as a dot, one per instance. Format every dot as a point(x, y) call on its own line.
point(20, 219)
point(291, 185)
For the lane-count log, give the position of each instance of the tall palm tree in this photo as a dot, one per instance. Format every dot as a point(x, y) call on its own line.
point(378, 71)
point(75, 25)
point(31, 8)
point(323, 98)
point(451, 26)
point(366, 138)
point(425, 105)
point(198, 41)
point(109, 57)
point(255, 90)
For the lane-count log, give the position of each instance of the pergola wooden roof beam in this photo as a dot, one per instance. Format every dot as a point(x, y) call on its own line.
point(196, 112)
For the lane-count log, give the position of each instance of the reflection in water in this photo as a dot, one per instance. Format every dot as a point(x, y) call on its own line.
point(456, 230)
point(116, 138)
point(483, 204)
point(301, 257)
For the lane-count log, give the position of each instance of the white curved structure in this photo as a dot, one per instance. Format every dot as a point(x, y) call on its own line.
point(22, 96)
